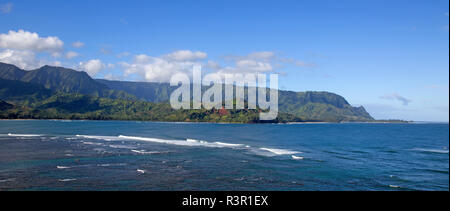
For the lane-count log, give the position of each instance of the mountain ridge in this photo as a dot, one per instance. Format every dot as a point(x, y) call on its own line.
point(60, 79)
point(311, 105)
point(33, 87)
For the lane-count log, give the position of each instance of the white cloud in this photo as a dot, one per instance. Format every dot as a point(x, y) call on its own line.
point(24, 49)
point(186, 55)
point(71, 54)
point(155, 69)
point(254, 66)
point(24, 40)
point(162, 68)
point(261, 62)
point(77, 44)
point(92, 67)
point(256, 62)
point(212, 65)
point(6, 8)
point(24, 59)
point(56, 54)
point(396, 96)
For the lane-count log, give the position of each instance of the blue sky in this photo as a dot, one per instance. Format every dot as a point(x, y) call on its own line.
point(389, 56)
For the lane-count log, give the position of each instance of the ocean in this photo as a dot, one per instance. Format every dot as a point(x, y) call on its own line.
point(38, 155)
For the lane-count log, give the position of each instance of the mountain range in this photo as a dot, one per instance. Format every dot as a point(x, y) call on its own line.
point(61, 93)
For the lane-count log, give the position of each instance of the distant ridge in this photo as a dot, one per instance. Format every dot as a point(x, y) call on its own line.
point(11, 72)
point(313, 106)
point(60, 79)
point(49, 88)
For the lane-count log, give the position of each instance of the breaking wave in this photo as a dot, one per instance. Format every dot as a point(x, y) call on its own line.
point(105, 138)
point(263, 151)
point(24, 135)
point(297, 157)
point(431, 150)
point(280, 151)
point(67, 180)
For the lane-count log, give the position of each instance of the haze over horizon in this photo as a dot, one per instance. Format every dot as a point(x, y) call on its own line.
point(390, 57)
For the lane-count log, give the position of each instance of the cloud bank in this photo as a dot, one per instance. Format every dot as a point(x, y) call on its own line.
point(29, 50)
point(23, 40)
point(92, 67)
point(21, 48)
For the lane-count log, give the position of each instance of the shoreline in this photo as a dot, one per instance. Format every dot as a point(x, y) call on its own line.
point(287, 123)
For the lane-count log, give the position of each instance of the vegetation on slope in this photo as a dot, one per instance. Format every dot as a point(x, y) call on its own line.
point(311, 106)
point(60, 93)
point(78, 107)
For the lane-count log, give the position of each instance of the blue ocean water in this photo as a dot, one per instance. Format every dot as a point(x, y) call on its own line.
point(116, 155)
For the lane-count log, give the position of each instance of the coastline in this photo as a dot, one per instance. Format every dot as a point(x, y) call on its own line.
point(238, 123)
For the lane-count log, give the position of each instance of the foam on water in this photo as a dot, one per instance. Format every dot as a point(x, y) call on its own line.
point(196, 141)
point(67, 180)
point(122, 147)
point(164, 141)
point(228, 145)
point(297, 157)
point(112, 164)
point(431, 150)
point(187, 142)
point(213, 151)
point(23, 135)
point(269, 152)
point(146, 152)
point(7, 180)
point(280, 151)
point(91, 143)
point(263, 151)
point(105, 138)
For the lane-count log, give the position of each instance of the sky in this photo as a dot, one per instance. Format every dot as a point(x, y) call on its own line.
point(392, 57)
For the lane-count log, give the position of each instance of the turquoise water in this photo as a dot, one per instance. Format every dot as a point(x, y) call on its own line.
point(114, 155)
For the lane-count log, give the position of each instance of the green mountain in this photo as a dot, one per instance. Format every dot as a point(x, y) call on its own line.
point(309, 106)
point(321, 106)
point(26, 93)
point(56, 92)
point(5, 106)
point(60, 79)
point(11, 72)
point(151, 92)
point(77, 107)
